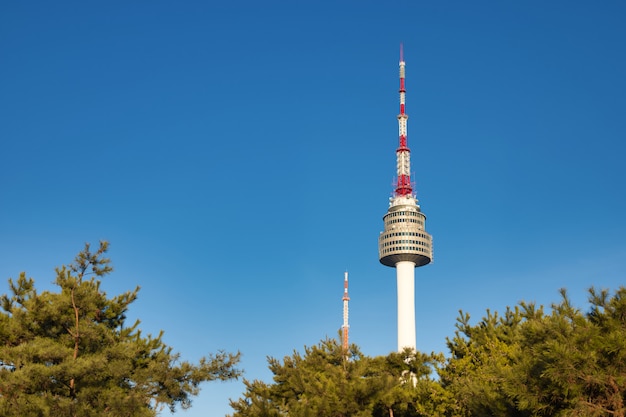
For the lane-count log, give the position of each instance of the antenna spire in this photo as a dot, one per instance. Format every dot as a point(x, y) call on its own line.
point(403, 154)
point(345, 327)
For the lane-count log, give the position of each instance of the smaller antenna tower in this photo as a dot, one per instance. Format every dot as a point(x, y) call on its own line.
point(345, 327)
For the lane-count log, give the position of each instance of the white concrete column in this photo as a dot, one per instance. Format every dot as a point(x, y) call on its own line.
point(405, 271)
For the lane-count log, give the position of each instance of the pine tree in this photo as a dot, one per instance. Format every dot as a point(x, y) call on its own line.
point(327, 382)
point(531, 363)
point(71, 353)
point(572, 363)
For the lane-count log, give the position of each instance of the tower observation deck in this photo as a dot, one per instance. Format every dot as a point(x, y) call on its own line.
point(404, 237)
point(404, 244)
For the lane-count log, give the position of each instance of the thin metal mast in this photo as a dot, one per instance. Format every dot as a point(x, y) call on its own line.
point(403, 154)
point(346, 327)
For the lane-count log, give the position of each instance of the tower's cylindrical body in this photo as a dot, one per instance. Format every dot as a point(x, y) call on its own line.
point(404, 244)
point(405, 271)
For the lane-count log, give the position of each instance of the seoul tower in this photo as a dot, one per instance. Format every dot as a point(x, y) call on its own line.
point(404, 244)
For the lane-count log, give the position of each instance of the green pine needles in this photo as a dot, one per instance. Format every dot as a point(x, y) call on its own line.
point(524, 363)
point(71, 353)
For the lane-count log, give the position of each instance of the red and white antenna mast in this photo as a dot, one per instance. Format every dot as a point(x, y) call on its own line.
point(403, 154)
point(345, 327)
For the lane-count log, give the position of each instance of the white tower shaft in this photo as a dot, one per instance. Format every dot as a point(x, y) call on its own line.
point(405, 272)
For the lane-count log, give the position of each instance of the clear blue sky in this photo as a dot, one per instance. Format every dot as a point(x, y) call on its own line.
point(239, 157)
